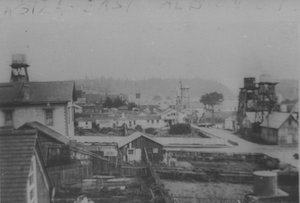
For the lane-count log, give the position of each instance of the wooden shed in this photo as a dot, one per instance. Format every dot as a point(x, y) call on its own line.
point(280, 128)
point(133, 148)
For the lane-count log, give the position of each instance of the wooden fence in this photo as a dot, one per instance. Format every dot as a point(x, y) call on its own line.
point(183, 199)
point(62, 176)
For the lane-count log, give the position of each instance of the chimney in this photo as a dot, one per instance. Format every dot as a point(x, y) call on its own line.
point(25, 91)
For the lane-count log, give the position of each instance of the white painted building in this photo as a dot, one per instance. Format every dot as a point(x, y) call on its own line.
point(171, 116)
point(230, 123)
point(105, 122)
point(85, 123)
point(50, 103)
point(145, 121)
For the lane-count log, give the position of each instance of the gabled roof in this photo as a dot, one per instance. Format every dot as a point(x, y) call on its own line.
point(39, 92)
point(46, 130)
point(134, 136)
point(276, 119)
point(85, 119)
point(16, 151)
point(120, 140)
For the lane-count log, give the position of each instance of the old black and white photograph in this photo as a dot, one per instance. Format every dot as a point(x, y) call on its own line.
point(149, 101)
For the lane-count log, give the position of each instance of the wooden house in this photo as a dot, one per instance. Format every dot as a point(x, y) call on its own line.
point(280, 129)
point(133, 148)
point(24, 178)
point(65, 160)
point(50, 103)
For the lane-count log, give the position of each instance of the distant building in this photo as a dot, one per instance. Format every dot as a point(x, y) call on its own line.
point(90, 108)
point(132, 148)
point(230, 123)
point(105, 122)
point(24, 178)
point(280, 128)
point(85, 123)
point(130, 119)
point(171, 116)
point(77, 108)
point(145, 121)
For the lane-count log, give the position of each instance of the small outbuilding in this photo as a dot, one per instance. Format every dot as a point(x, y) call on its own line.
point(133, 148)
point(280, 128)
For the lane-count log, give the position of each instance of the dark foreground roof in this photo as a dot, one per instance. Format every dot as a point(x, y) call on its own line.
point(16, 150)
point(39, 92)
point(47, 131)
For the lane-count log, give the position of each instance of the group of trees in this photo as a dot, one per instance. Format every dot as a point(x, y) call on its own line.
point(118, 102)
point(210, 100)
point(114, 102)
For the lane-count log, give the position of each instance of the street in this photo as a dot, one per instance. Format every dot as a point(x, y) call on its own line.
point(283, 153)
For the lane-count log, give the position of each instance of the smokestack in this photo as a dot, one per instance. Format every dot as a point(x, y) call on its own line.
point(26, 91)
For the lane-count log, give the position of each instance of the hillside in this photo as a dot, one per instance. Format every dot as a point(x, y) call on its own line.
point(155, 86)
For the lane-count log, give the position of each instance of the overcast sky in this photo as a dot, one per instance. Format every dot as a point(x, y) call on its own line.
point(223, 40)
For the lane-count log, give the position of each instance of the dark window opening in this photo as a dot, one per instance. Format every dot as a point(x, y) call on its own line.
point(49, 117)
point(8, 120)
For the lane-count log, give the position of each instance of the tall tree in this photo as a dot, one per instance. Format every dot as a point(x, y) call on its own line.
point(210, 100)
point(108, 103)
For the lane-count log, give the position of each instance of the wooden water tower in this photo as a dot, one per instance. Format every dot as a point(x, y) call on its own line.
point(19, 67)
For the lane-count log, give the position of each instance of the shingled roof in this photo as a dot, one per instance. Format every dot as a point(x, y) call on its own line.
point(16, 150)
point(46, 130)
point(38, 92)
point(275, 120)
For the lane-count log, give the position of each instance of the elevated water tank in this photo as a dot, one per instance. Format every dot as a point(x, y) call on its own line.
point(249, 83)
point(265, 183)
point(265, 78)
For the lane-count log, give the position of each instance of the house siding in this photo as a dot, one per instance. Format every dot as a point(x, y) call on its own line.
point(270, 135)
point(145, 143)
point(150, 123)
point(287, 134)
point(24, 114)
point(43, 193)
point(85, 124)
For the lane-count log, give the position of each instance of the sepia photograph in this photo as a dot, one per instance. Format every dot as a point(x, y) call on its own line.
point(149, 101)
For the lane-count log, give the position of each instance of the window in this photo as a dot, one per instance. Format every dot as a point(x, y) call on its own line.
point(8, 117)
point(31, 194)
point(49, 116)
point(31, 179)
point(134, 123)
point(152, 121)
point(31, 183)
point(157, 121)
point(155, 150)
point(130, 151)
point(290, 121)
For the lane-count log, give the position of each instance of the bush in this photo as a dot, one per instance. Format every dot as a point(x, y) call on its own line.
point(139, 128)
point(180, 128)
point(151, 131)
